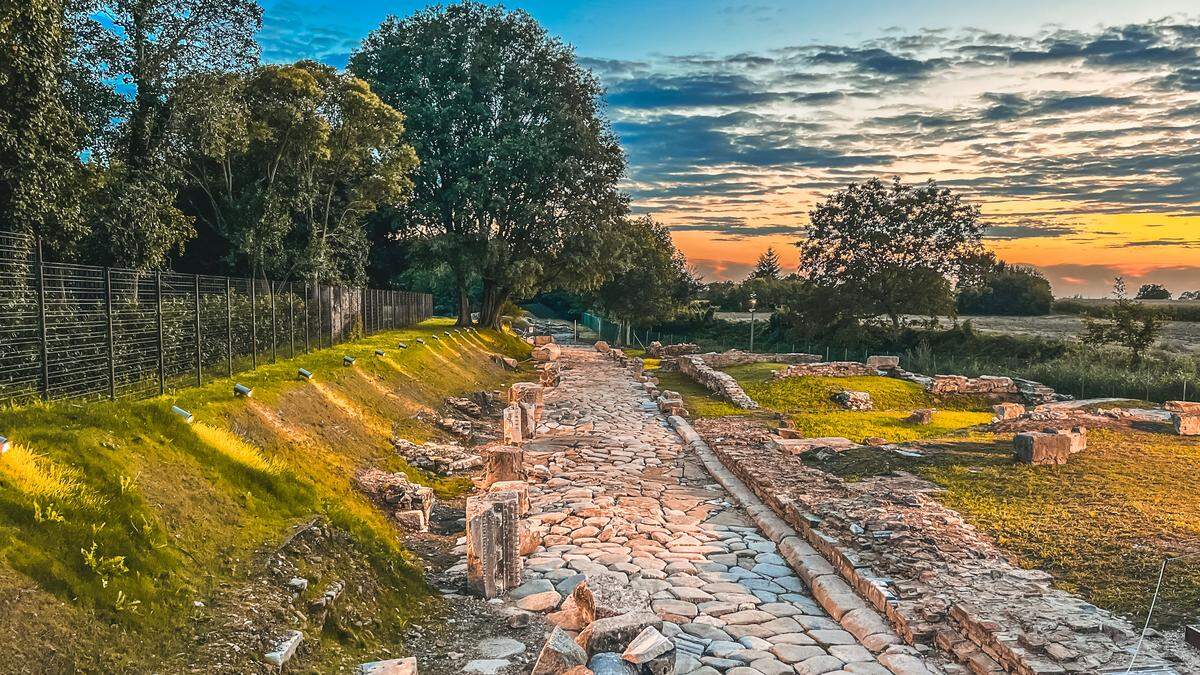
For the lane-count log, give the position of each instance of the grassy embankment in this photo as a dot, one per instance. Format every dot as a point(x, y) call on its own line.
point(117, 517)
point(1101, 524)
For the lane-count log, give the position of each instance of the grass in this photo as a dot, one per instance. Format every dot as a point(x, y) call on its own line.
point(1101, 524)
point(125, 511)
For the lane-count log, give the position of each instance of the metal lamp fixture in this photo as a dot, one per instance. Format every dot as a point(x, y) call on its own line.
point(348, 360)
point(420, 341)
point(753, 307)
point(379, 352)
point(304, 374)
point(402, 346)
point(242, 390)
point(4, 445)
point(187, 416)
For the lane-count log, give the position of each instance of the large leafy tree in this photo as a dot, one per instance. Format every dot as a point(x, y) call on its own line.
point(285, 161)
point(517, 183)
point(890, 248)
point(148, 47)
point(41, 134)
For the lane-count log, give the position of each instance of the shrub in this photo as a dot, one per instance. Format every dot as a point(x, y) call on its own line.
point(1011, 291)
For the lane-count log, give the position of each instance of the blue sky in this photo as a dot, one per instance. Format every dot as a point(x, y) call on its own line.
point(1074, 124)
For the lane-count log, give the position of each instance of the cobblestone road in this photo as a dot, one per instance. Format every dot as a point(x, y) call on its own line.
point(625, 497)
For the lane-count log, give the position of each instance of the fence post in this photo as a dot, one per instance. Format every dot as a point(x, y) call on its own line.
point(112, 343)
point(253, 325)
point(41, 276)
point(292, 317)
point(306, 346)
point(199, 367)
point(162, 358)
point(318, 296)
point(274, 323)
point(331, 316)
point(228, 327)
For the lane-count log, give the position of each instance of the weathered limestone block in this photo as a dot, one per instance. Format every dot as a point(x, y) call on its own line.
point(285, 649)
point(549, 352)
point(520, 487)
point(549, 374)
point(494, 562)
point(799, 446)
point(1078, 436)
point(1186, 425)
point(406, 666)
point(503, 463)
point(1007, 411)
point(505, 362)
point(614, 633)
point(409, 504)
point(883, 362)
point(606, 595)
point(1042, 448)
point(985, 384)
point(923, 416)
point(602, 346)
point(529, 420)
point(652, 651)
point(671, 403)
point(1183, 407)
point(854, 400)
point(559, 655)
point(656, 349)
point(541, 340)
point(513, 422)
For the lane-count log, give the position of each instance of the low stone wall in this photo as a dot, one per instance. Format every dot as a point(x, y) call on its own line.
point(657, 350)
point(828, 369)
point(984, 385)
point(737, 357)
point(937, 580)
point(720, 383)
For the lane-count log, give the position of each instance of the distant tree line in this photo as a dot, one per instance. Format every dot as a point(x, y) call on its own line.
point(463, 149)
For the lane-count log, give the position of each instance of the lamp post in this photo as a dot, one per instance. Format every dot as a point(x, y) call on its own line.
point(753, 306)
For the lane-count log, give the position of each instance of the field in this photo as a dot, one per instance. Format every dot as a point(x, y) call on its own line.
point(1101, 524)
point(1182, 337)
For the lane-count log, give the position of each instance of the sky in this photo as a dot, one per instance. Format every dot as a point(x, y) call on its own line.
point(1075, 125)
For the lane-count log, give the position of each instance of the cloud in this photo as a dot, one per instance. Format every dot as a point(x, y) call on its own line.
point(720, 270)
point(1097, 280)
point(1027, 231)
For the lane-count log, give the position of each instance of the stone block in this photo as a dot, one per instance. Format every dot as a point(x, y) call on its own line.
point(1184, 407)
point(541, 340)
point(513, 423)
point(602, 346)
point(651, 651)
point(407, 666)
point(607, 595)
point(1042, 448)
point(494, 563)
point(549, 352)
point(1186, 425)
point(614, 633)
point(559, 655)
point(520, 487)
point(285, 649)
point(1078, 436)
point(854, 400)
point(799, 446)
point(923, 416)
point(1007, 411)
point(883, 362)
point(503, 463)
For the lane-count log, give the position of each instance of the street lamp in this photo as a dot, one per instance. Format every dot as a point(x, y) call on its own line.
point(753, 307)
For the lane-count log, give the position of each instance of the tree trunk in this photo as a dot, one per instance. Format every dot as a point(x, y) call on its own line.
point(489, 307)
point(464, 304)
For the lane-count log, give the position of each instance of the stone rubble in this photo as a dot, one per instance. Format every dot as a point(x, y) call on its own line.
point(937, 579)
point(719, 382)
point(854, 400)
point(657, 350)
point(445, 459)
point(406, 502)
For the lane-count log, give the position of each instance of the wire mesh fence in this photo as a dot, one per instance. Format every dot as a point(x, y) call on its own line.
point(80, 331)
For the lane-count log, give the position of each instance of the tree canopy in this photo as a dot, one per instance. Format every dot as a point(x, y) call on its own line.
point(518, 175)
point(890, 248)
point(767, 266)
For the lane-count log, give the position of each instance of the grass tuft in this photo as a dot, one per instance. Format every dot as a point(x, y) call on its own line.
point(42, 479)
point(232, 446)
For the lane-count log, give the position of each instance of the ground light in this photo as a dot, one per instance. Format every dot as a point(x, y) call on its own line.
point(348, 360)
point(402, 346)
point(4, 445)
point(242, 390)
point(379, 352)
point(420, 341)
point(304, 374)
point(187, 416)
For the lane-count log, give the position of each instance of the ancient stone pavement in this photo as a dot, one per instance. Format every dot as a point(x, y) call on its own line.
point(619, 494)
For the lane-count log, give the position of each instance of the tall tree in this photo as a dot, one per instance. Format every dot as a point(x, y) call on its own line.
point(517, 183)
point(41, 135)
point(768, 266)
point(150, 46)
point(285, 161)
point(891, 248)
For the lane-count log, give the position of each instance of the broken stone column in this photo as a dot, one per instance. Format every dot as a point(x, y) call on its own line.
point(513, 422)
point(494, 562)
point(1007, 411)
point(520, 487)
point(1042, 448)
point(528, 392)
point(503, 463)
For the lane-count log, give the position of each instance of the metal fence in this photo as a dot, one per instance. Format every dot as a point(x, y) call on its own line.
point(80, 331)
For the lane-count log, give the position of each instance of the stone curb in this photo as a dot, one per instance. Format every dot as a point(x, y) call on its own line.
point(828, 588)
